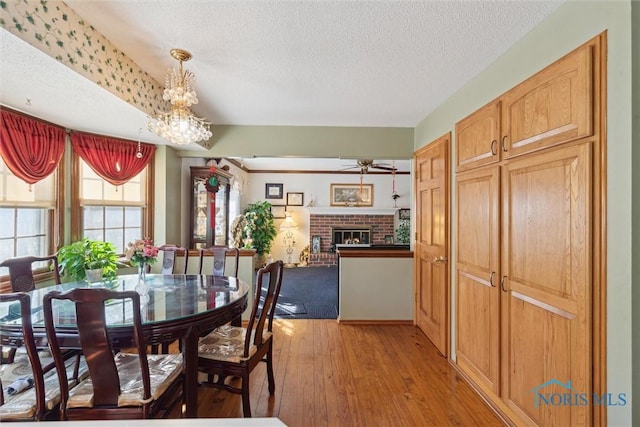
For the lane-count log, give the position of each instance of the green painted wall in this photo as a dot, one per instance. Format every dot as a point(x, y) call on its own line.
point(308, 141)
point(571, 25)
point(167, 209)
point(635, 109)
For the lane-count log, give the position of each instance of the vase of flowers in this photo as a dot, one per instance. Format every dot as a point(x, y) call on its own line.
point(142, 253)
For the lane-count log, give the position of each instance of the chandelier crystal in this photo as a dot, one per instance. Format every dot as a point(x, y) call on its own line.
point(180, 125)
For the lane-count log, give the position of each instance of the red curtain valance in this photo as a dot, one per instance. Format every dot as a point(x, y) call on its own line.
point(31, 149)
point(114, 160)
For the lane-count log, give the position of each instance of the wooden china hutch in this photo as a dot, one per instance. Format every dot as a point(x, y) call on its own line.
point(209, 208)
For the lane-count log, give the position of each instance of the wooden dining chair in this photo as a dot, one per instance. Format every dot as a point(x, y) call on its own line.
point(21, 271)
point(31, 375)
point(170, 256)
point(219, 262)
point(231, 351)
point(122, 385)
point(22, 280)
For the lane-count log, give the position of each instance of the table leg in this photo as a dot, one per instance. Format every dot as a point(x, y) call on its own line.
point(190, 354)
point(237, 321)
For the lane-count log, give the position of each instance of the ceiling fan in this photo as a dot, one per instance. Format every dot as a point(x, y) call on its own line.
point(365, 164)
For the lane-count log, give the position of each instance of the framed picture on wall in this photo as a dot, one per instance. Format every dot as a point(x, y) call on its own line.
point(351, 194)
point(295, 199)
point(278, 211)
point(404, 214)
point(273, 191)
point(315, 245)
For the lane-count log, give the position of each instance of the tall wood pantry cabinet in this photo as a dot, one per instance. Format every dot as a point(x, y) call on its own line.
point(527, 184)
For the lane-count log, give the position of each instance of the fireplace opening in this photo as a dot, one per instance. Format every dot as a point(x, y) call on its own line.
point(351, 235)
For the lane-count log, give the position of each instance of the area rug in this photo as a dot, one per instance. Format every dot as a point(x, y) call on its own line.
point(308, 293)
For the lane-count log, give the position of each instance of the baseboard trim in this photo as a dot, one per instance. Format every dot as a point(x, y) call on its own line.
point(488, 401)
point(375, 322)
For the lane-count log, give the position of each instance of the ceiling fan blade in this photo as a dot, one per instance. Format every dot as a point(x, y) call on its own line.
point(388, 168)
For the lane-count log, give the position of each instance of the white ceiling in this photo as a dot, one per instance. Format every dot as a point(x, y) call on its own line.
point(320, 63)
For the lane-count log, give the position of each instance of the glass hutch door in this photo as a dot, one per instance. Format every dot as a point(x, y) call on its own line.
point(204, 232)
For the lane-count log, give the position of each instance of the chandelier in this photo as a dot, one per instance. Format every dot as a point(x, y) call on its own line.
point(179, 125)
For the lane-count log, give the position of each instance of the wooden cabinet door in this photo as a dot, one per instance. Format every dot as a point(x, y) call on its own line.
point(477, 276)
point(546, 286)
point(553, 107)
point(478, 138)
point(432, 167)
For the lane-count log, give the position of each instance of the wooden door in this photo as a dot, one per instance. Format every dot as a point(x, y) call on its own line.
point(432, 279)
point(553, 107)
point(546, 283)
point(478, 275)
point(478, 138)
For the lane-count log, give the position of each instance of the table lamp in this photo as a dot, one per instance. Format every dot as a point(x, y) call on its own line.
point(288, 225)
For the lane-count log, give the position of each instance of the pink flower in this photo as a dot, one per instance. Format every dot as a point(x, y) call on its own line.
point(150, 251)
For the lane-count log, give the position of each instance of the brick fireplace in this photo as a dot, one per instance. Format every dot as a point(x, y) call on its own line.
point(324, 225)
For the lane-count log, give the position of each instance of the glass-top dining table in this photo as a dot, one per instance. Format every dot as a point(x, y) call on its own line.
point(178, 307)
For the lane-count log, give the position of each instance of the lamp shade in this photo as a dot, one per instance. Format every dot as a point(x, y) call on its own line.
point(288, 223)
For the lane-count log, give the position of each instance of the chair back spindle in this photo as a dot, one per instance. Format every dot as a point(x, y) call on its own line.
point(220, 254)
point(170, 255)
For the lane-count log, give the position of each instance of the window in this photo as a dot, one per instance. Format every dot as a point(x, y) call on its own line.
point(28, 216)
point(116, 214)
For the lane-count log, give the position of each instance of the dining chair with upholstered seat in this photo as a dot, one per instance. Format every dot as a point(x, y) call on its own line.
point(170, 258)
point(120, 385)
point(31, 377)
point(219, 261)
point(231, 351)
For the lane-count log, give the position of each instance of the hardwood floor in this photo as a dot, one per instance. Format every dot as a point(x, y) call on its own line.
point(330, 374)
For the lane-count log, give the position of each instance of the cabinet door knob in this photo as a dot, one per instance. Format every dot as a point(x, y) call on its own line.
point(504, 143)
point(493, 145)
point(502, 283)
point(491, 279)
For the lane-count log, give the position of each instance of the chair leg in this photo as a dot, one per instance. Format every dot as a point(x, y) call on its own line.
point(7, 355)
point(246, 406)
point(272, 383)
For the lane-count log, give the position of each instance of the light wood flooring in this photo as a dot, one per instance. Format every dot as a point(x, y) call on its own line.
point(331, 374)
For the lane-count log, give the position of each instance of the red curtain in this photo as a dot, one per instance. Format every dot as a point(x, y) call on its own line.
point(31, 149)
point(114, 160)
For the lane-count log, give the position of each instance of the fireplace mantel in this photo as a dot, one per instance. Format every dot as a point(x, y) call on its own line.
point(339, 210)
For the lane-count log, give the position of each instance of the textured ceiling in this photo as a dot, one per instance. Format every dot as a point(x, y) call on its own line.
point(338, 63)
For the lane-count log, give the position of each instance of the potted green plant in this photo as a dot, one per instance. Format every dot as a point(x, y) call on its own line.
point(86, 255)
point(402, 232)
point(259, 228)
